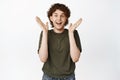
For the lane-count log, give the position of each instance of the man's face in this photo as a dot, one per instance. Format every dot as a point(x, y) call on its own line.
point(58, 19)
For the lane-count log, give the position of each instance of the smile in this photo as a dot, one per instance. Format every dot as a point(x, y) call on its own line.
point(58, 23)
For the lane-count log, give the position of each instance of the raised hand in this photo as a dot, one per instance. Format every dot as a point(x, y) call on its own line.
point(42, 25)
point(75, 25)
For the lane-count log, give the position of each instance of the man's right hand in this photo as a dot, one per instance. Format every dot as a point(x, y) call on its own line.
point(42, 25)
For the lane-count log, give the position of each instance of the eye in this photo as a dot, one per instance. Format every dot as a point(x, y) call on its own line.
point(62, 15)
point(55, 15)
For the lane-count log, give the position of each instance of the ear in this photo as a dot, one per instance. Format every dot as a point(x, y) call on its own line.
point(51, 18)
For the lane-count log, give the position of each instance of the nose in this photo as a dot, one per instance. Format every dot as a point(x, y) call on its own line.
point(59, 18)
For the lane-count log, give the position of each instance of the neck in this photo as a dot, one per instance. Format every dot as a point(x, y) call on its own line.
point(58, 31)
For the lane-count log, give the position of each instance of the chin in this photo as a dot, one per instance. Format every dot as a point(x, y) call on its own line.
point(59, 27)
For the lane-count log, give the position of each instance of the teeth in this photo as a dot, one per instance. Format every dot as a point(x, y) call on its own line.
point(58, 23)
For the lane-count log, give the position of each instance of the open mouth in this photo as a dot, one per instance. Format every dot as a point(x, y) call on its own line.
point(58, 23)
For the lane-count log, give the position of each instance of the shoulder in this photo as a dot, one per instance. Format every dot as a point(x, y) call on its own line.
point(50, 31)
point(75, 32)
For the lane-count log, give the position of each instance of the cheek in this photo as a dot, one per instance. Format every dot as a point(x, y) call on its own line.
point(64, 20)
point(51, 18)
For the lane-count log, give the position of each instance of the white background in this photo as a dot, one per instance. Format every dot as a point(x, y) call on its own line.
point(99, 33)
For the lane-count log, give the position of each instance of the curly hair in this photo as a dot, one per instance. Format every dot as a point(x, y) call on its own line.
point(61, 7)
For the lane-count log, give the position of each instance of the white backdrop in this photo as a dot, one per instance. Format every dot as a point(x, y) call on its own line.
point(99, 33)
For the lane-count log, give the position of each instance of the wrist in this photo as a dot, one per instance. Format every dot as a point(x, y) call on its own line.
point(71, 32)
point(45, 32)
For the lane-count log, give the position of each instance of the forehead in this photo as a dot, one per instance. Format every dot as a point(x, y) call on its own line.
point(58, 12)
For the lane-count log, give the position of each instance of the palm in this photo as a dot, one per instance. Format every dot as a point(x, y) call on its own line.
point(42, 25)
point(75, 25)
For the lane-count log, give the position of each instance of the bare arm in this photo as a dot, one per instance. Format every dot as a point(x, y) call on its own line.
point(43, 51)
point(74, 51)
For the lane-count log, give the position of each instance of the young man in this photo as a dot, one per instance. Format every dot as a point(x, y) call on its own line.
point(59, 48)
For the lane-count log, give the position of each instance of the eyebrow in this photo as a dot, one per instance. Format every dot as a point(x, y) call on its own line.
point(54, 13)
point(57, 13)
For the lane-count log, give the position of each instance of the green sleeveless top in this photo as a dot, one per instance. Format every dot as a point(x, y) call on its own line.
point(59, 63)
